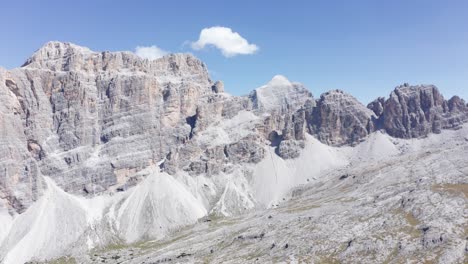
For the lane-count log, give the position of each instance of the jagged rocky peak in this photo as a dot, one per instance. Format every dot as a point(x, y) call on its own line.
point(457, 104)
point(415, 111)
point(60, 56)
point(218, 87)
point(339, 119)
point(280, 95)
point(282, 103)
point(55, 50)
point(377, 106)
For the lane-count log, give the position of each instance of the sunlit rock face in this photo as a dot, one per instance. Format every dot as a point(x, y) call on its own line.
point(88, 120)
point(280, 95)
point(340, 119)
point(415, 111)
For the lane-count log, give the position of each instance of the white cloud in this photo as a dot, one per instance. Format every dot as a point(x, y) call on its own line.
point(150, 52)
point(229, 42)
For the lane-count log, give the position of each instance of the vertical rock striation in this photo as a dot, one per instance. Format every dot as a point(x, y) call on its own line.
point(339, 119)
point(416, 111)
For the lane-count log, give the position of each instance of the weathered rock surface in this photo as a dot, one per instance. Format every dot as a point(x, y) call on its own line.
point(218, 87)
point(280, 96)
point(290, 149)
point(90, 117)
point(415, 111)
point(377, 106)
point(339, 119)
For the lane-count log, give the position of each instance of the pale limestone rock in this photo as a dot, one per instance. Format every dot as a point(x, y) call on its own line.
point(339, 119)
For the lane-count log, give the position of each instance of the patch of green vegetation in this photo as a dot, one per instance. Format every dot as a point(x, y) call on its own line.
point(146, 245)
point(61, 260)
point(113, 247)
point(300, 208)
point(117, 245)
point(143, 245)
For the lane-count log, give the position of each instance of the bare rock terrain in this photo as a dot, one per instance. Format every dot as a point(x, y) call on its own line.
point(107, 157)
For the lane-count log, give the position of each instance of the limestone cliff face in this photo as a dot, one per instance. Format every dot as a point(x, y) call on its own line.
point(282, 104)
point(92, 120)
point(416, 111)
point(340, 119)
point(280, 96)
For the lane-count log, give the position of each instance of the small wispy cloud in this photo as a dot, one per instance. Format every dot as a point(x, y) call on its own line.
point(229, 42)
point(150, 52)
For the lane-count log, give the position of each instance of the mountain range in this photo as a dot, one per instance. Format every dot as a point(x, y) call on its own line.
point(108, 157)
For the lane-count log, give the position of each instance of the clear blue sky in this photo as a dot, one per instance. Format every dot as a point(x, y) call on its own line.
point(363, 47)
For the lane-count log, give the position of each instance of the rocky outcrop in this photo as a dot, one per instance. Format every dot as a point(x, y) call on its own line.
point(290, 149)
point(416, 111)
point(291, 140)
point(218, 87)
point(339, 119)
point(282, 103)
point(377, 106)
point(280, 96)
